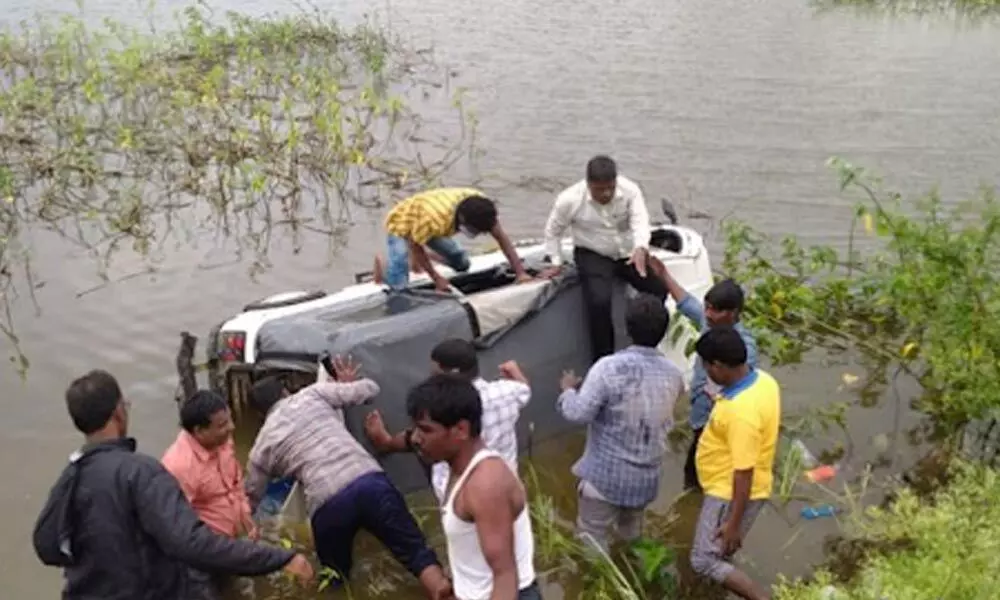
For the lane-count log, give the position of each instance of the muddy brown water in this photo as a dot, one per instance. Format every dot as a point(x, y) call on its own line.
point(729, 107)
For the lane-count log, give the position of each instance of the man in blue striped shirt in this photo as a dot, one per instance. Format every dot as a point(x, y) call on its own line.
point(723, 305)
point(627, 402)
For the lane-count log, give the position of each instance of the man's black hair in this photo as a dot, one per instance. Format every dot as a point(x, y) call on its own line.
point(446, 399)
point(646, 320)
point(477, 213)
point(457, 355)
point(601, 169)
point(722, 344)
point(266, 393)
point(197, 411)
point(92, 399)
point(725, 295)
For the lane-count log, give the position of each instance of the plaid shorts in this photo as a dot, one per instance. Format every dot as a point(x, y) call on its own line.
point(706, 552)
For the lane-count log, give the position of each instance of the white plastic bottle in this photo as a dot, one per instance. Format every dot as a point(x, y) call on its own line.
point(809, 460)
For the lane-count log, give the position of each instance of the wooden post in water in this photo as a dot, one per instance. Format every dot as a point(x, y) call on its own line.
point(184, 363)
point(239, 394)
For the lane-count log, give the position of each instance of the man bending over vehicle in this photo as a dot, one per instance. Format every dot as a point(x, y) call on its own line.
point(304, 437)
point(428, 220)
point(502, 401)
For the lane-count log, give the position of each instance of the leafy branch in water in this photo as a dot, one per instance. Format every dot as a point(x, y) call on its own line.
point(915, 289)
point(120, 138)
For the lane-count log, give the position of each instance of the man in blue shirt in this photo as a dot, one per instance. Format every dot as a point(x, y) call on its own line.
point(627, 402)
point(723, 305)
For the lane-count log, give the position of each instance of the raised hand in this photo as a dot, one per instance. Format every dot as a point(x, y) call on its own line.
point(376, 431)
point(569, 380)
point(345, 369)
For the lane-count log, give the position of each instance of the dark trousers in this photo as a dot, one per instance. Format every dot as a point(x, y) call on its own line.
point(597, 277)
point(204, 586)
point(530, 593)
point(690, 467)
point(372, 503)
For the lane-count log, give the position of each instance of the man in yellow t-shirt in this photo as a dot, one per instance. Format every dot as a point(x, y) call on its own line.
point(429, 220)
point(735, 458)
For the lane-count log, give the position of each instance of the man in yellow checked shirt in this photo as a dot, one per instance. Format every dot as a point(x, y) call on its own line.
point(428, 220)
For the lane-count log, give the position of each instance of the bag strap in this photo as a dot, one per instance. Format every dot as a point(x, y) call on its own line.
point(73, 471)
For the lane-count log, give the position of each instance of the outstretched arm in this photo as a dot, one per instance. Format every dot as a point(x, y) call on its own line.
point(509, 251)
point(165, 515)
point(638, 220)
point(558, 221)
point(380, 437)
point(511, 371)
point(584, 405)
point(419, 254)
point(343, 394)
point(255, 484)
point(687, 305)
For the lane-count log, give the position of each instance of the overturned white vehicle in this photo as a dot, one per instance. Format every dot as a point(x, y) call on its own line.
point(540, 324)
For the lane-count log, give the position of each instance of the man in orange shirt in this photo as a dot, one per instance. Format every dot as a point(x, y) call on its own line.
point(203, 460)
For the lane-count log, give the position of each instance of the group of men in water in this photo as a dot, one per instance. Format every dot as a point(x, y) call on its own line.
point(123, 525)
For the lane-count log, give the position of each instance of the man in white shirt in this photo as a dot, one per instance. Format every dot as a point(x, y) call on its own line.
point(502, 401)
point(607, 216)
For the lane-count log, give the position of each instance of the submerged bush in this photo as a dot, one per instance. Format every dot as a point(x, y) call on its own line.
point(124, 137)
point(916, 291)
point(945, 548)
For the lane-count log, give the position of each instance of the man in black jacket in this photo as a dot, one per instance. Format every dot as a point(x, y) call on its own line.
point(118, 523)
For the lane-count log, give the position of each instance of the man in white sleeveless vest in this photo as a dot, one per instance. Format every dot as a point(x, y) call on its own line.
point(485, 514)
point(502, 400)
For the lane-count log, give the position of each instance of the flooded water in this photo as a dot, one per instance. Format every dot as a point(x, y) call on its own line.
point(729, 107)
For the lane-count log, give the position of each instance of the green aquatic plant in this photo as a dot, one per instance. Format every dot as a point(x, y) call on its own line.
point(326, 577)
point(121, 137)
point(641, 572)
point(655, 559)
point(917, 292)
point(788, 471)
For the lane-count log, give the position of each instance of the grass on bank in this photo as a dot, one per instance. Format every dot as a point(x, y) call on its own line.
point(944, 547)
point(643, 570)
